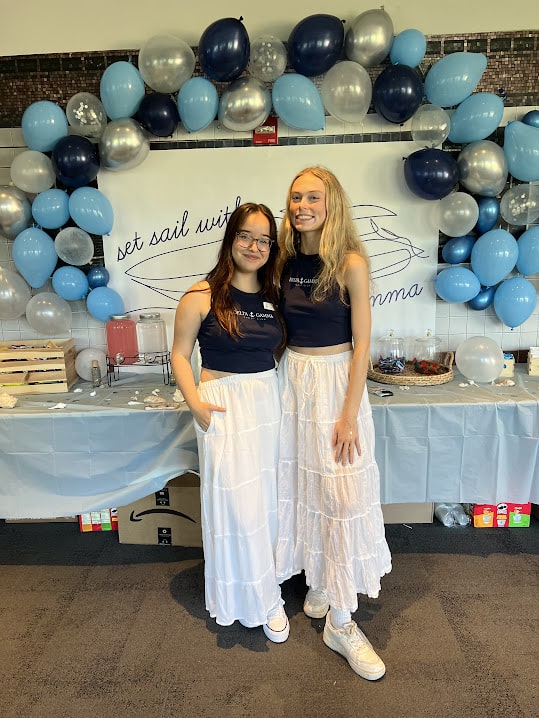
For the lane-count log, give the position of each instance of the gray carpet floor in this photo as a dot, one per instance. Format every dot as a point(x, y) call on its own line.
point(89, 626)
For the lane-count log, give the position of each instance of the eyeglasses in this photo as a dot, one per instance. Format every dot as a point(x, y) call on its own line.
point(245, 240)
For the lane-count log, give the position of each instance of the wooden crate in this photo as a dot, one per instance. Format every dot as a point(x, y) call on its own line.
point(37, 366)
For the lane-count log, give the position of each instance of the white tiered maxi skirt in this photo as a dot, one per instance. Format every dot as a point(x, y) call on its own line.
point(238, 485)
point(330, 519)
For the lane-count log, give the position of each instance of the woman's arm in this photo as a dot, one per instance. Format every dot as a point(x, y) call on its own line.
point(190, 312)
point(345, 435)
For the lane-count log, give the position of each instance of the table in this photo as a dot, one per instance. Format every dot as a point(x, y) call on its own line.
point(444, 443)
point(458, 442)
point(97, 452)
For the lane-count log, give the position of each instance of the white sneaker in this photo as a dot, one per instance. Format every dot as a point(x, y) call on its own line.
point(277, 628)
point(316, 603)
point(352, 643)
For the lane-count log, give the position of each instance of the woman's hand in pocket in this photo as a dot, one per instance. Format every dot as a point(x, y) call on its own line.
point(202, 414)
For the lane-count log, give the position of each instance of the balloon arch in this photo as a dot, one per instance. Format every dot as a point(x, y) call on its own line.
point(471, 191)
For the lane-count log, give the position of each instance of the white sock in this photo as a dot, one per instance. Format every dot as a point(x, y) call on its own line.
point(339, 617)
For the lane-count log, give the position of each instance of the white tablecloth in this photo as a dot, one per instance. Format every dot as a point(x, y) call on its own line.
point(441, 443)
point(453, 443)
point(97, 452)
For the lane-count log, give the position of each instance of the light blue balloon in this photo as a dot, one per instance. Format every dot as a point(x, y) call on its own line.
point(484, 299)
point(457, 249)
point(494, 255)
point(34, 256)
point(297, 102)
point(103, 302)
point(528, 252)
point(514, 301)
point(408, 48)
point(121, 90)
point(198, 103)
point(50, 208)
point(91, 210)
point(521, 148)
point(70, 283)
point(489, 213)
point(43, 123)
point(457, 284)
point(476, 117)
point(454, 77)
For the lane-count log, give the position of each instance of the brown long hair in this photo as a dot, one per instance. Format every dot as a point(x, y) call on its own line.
point(220, 277)
point(338, 238)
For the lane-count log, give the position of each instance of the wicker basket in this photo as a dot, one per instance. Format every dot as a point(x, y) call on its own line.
point(409, 376)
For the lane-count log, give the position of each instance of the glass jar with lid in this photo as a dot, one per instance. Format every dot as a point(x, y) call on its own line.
point(152, 338)
point(427, 348)
point(391, 356)
point(122, 345)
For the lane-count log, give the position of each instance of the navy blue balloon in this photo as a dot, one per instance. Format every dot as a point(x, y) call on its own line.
point(431, 173)
point(75, 161)
point(158, 113)
point(397, 93)
point(224, 49)
point(98, 277)
point(458, 249)
point(315, 44)
point(484, 299)
point(531, 118)
point(489, 213)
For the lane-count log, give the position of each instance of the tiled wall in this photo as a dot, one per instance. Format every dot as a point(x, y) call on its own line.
point(512, 71)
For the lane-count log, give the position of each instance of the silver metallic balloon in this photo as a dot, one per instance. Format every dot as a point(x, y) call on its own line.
point(457, 214)
point(346, 91)
point(86, 115)
point(15, 211)
point(32, 171)
point(245, 104)
point(123, 145)
point(482, 168)
point(268, 58)
point(369, 38)
point(49, 314)
point(165, 63)
point(14, 294)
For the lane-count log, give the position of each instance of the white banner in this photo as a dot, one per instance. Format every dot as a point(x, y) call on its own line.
point(170, 213)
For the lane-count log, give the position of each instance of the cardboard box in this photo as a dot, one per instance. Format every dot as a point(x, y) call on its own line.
point(413, 513)
point(169, 517)
point(533, 361)
point(502, 515)
point(37, 366)
point(102, 520)
point(508, 365)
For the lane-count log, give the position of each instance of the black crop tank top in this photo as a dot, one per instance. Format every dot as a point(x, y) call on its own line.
point(247, 354)
point(308, 323)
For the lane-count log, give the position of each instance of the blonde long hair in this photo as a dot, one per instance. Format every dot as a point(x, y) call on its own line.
point(339, 236)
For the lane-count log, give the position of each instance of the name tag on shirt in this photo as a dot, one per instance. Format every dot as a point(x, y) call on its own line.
point(268, 305)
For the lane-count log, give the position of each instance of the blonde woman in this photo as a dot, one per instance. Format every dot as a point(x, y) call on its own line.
point(331, 523)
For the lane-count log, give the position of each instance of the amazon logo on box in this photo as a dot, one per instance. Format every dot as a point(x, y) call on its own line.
point(168, 517)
